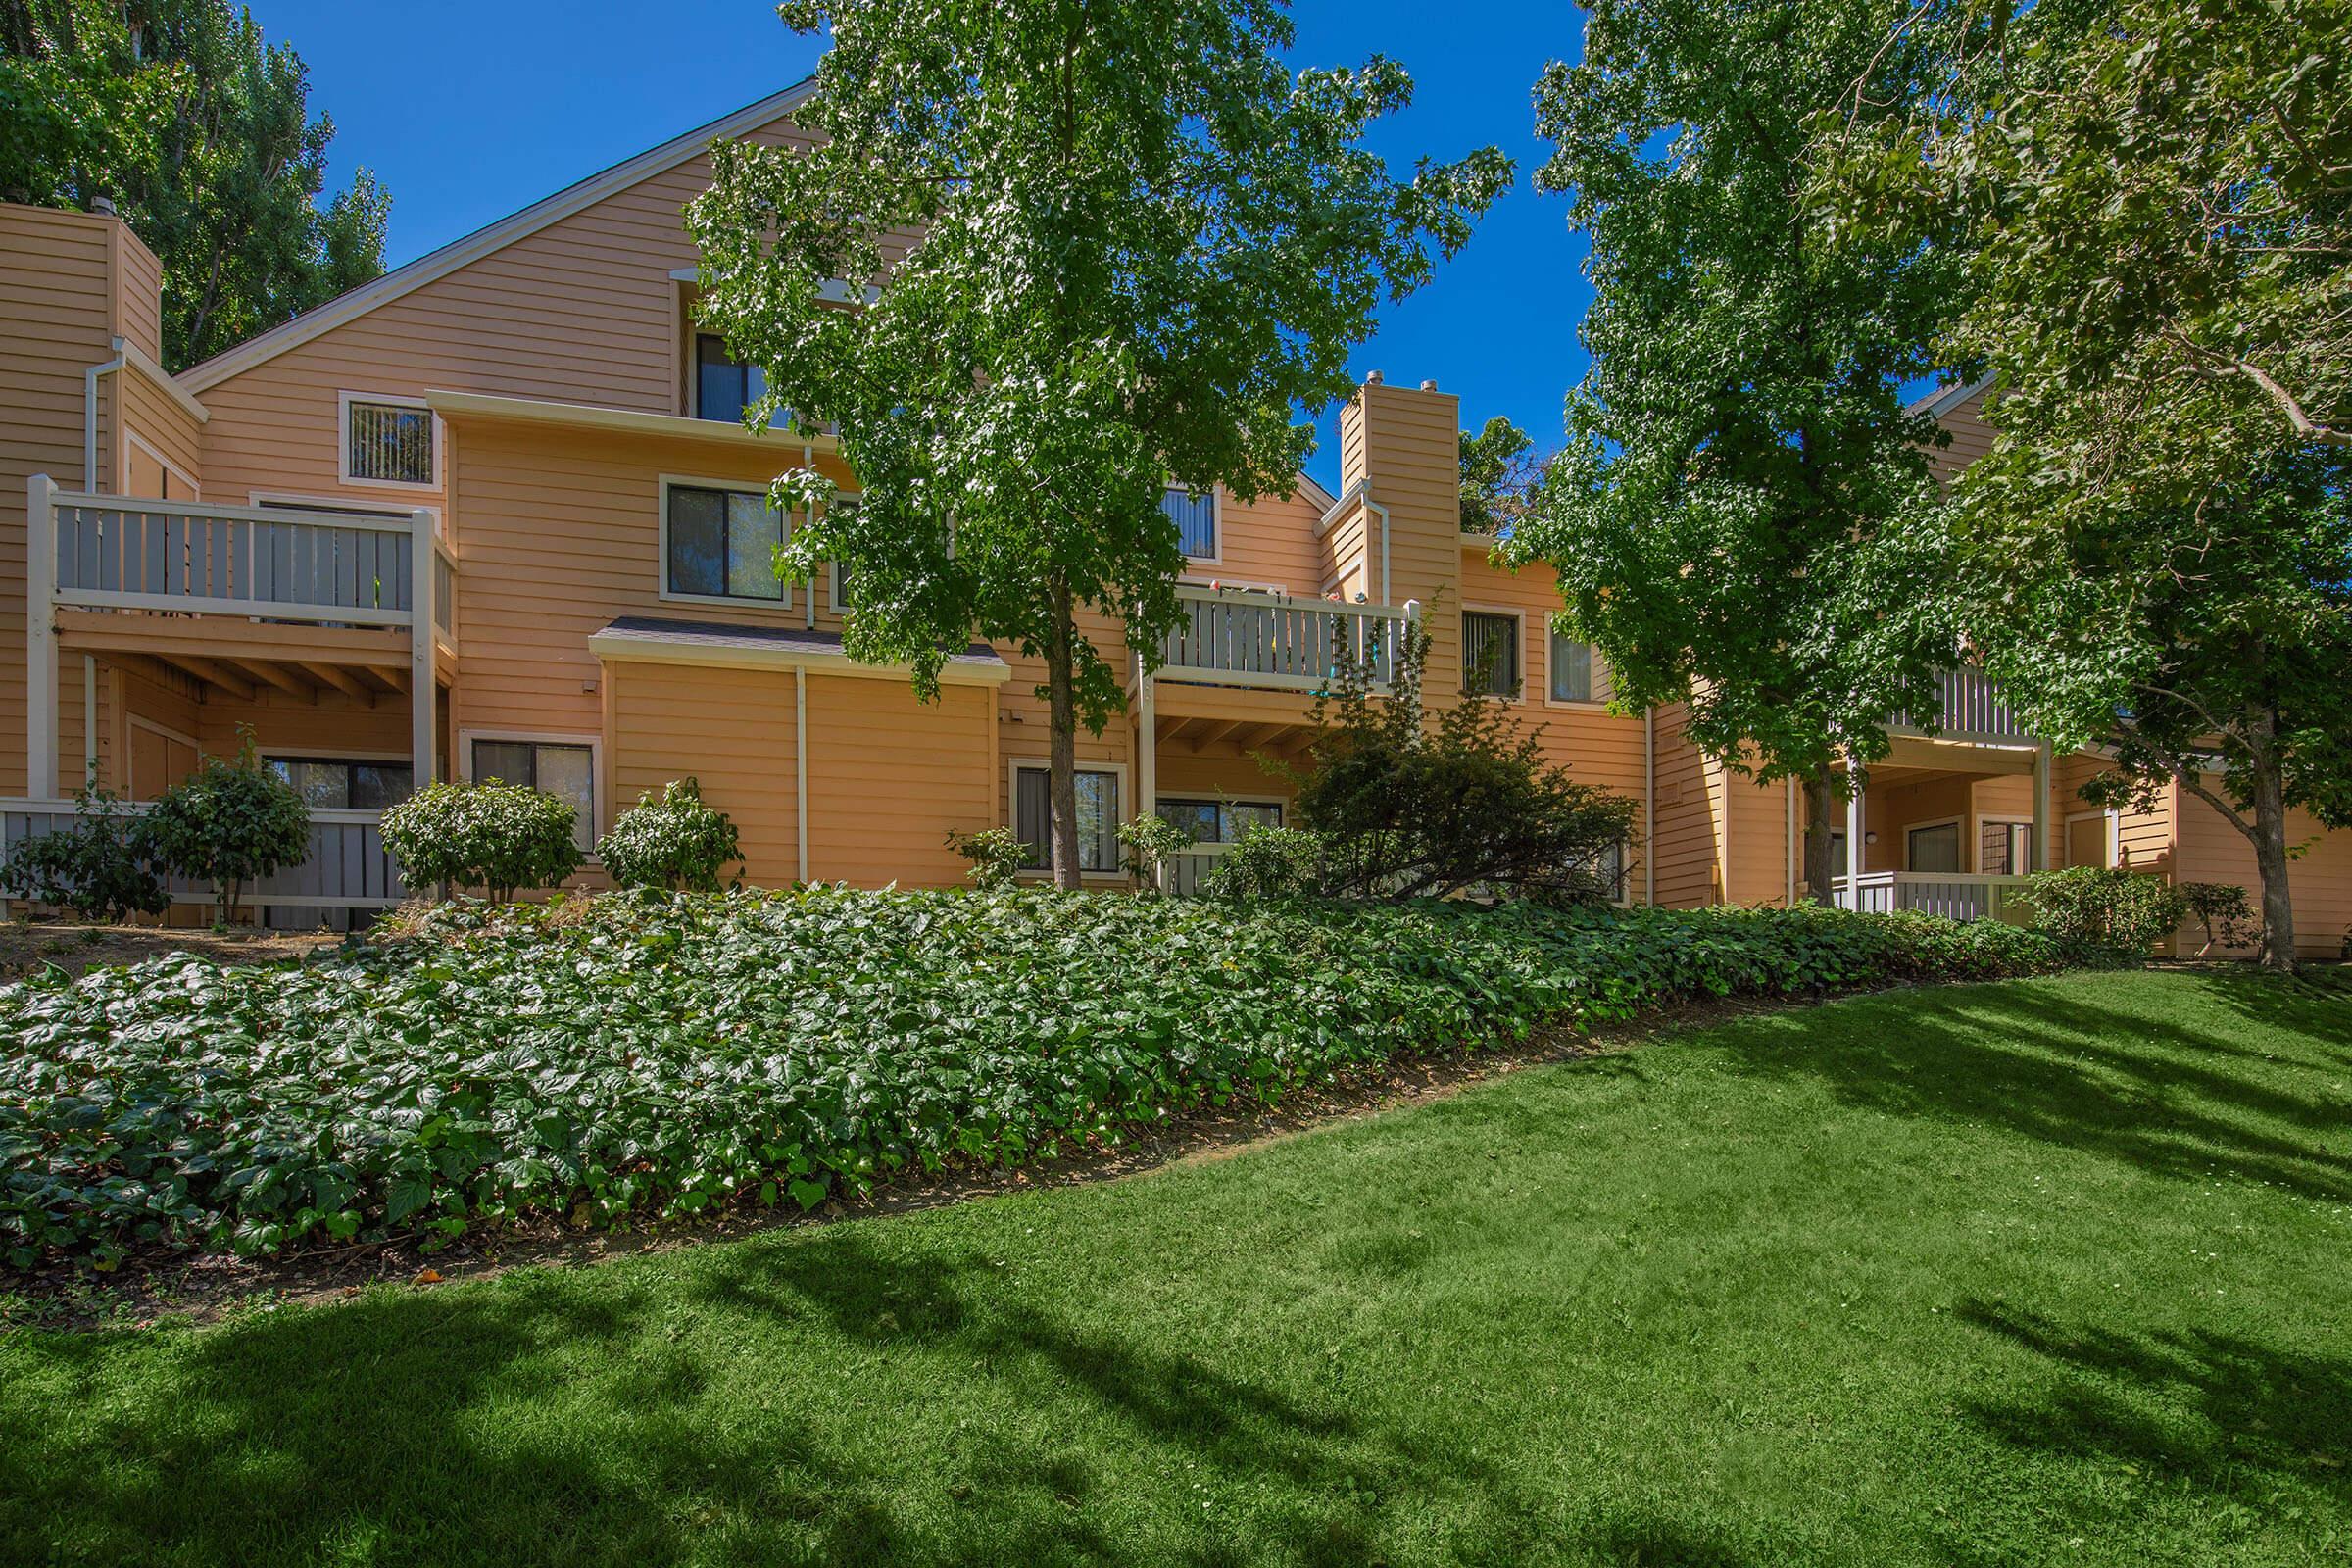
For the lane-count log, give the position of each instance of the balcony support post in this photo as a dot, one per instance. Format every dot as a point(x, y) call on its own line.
point(425, 690)
point(1147, 755)
point(40, 638)
point(1855, 816)
point(2041, 808)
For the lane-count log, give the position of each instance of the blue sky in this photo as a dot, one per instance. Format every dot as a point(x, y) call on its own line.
point(467, 111)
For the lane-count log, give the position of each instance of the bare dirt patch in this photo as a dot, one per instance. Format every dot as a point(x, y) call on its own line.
point(28, 947)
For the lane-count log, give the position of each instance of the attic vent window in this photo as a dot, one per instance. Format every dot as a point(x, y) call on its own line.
point(388, 441)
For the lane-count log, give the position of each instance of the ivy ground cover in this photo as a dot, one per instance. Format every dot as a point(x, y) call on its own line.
point(2043, 1272)
point(653, 1054)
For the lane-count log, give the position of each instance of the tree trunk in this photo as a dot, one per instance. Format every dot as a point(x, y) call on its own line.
point(2270, 844)
point(1820, 874)
point(1063, 754)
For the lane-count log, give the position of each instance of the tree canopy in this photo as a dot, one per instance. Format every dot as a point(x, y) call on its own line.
point(1498, 475)
point(1111, 247)
point(2155, 203)
point(1743, 519)
point(199, 131)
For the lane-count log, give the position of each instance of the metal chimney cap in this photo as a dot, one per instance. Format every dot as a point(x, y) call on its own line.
point(1429, 386)
point(104, 205)
point(1371, 378)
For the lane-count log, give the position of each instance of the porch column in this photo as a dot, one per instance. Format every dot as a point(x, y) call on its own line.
point(40, 638)
point(424, 691)
point(1854, 836)
point(2041, 806)
point(1147, 753)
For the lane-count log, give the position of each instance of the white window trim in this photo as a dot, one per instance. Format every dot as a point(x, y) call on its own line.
point(663, 590)
point(386, 509)
point(1519, 616)
point(596, 767)
point(832, 567)
point(1979, 820)
point(1625, 861)
point(1968, 854)
point(132, 439)
point(343, 474)
point(1216, 523)
point(2115, 833)
point(1013, 768)
point(1586, 704)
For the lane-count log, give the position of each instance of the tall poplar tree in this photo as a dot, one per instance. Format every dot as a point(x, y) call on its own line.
point(1743, 520)
point(1114, 246)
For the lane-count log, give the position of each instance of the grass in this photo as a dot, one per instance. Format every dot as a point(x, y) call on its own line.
point(2047, 1271)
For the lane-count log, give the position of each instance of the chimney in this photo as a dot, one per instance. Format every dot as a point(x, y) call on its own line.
point(1371, 378)
point(1429, 386)
point(102, 205)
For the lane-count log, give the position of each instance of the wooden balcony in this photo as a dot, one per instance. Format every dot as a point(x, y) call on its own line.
point(238, 598)
point(347, 868)
point(1273, 642)
point(1954, 895)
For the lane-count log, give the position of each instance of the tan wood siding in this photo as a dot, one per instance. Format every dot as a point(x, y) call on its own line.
point(732, 730)
point(890, 776)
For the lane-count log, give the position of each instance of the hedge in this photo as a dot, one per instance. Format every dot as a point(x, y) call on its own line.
point(649, 1055)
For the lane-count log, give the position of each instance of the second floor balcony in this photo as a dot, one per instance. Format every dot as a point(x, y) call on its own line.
point(1275, 642)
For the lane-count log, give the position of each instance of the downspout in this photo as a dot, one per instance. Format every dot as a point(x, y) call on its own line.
point(1649, 794)
point(89, 416)
point(1356, 493)
point(800, 762)
point(1789, 855)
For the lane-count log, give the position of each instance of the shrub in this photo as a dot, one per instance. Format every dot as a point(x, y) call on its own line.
point(1267, 863)
point(494, 836)
point(99, 869)
point(1401, 809)
point(995, 854)
point(671, 840)
point(657, 1054)
point(2124, 911)
point(2221, 909)
point(1152, 841)
point(228, 824)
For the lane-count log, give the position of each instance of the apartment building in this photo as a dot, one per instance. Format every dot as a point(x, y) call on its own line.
point(496, 514)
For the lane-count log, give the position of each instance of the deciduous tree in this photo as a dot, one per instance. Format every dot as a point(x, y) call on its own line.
point(1743, 519)
point(2155, 198)
point(1116, 245)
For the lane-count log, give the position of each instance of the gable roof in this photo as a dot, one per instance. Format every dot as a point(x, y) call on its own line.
point(1945, 399)
point(439, 264)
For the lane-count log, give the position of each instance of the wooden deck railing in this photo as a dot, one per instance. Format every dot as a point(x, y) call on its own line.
point(1975, 707)
point(1244, 638)
point(347, 868)
point(117, 553)
point(1959, 896)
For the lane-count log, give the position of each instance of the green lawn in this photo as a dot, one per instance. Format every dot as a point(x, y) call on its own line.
point(2051, 1270)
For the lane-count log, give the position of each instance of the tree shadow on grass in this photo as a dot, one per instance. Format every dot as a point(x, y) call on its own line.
point(2222, 1412)
point(2053, 1064)
point(533, 1422)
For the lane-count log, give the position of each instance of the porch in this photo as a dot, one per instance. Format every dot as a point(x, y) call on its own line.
point(1949, 822)
point(159, 630)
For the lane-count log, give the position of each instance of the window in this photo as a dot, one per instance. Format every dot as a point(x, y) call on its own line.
point(1489, 653)
point(1571, 669)
point(721, 544)
point(1195, 520)
point(1933, 848)
point(1097, 817)
point(2004, 849)
point(839, 582)
point(1219, 821)
point(346, 783)
point(565, 770)
point(1838, 867)
point(1612, 869)
point(724, 385)
point(388, 441)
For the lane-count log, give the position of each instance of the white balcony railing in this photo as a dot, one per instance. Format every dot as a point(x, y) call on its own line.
point(1235, 637)
point(1973, 708)
point(116, 553)
point(1958, 896)
point(347, 868)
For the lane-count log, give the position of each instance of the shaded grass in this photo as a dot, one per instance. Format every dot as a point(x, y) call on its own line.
point(2051, 1270)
